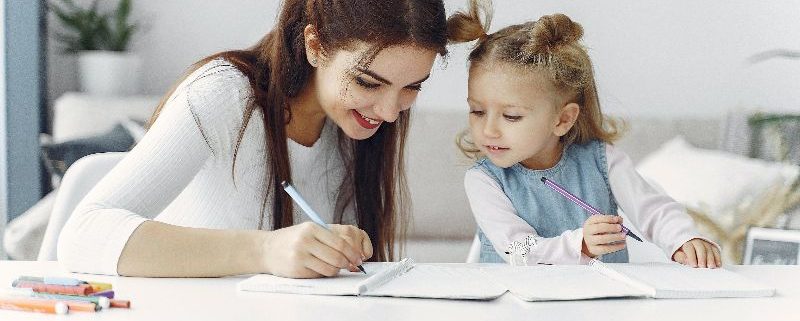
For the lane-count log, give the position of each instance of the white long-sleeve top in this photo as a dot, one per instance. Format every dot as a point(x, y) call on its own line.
point(662, 220)
point(180, 173)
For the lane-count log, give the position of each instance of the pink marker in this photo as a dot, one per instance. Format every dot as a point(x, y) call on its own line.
point(583, 204)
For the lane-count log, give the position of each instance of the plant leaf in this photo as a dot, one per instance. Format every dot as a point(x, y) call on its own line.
point(92, 29)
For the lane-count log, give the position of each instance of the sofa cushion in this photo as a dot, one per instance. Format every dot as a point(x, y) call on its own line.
point(24, 234)
point(646, 134)
point(435, 169)
point(59, 156)
point(714, 181)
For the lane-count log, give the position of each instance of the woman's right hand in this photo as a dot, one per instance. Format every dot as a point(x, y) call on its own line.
point(602, 234)
point(308, 250)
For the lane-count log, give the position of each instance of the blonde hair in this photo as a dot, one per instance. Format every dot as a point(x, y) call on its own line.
point(548, 47)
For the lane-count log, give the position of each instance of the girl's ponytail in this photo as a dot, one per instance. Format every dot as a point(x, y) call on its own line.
point(467, 26)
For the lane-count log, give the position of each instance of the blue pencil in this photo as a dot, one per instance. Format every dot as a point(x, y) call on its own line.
point(307, 209)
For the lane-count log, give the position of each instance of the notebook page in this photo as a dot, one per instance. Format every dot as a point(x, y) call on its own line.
point(673, 280)
point(559, 282)
point(385, 275)
point(441, 281)
point(346, 283)
point(601, 267)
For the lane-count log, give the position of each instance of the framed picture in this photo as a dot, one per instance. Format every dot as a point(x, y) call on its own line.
point(772, 246)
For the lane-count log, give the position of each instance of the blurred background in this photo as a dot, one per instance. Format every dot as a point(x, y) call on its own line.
point(728, 65)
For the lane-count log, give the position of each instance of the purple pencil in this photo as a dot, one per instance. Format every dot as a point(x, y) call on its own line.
point(583, 204)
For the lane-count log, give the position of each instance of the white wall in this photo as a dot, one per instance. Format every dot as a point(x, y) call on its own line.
point(175, 34)
point(661, 58)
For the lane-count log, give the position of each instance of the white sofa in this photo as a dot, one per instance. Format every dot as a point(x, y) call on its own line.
point(442, 228)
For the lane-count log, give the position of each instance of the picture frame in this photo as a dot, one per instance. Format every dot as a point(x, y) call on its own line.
point(768, 246)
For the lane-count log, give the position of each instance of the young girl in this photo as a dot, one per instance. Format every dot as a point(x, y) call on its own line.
point(321, 101)
point(534, 112)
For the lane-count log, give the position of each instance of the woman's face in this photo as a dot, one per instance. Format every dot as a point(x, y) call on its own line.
point(360, 98)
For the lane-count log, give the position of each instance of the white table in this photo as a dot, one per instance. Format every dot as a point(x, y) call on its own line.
point(217, 299)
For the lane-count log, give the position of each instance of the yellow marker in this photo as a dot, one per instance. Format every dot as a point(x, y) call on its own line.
point(100, 287)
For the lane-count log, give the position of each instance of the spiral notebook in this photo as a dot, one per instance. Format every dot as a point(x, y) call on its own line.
point(611, 280)
point(529, 283)
point(400, 279)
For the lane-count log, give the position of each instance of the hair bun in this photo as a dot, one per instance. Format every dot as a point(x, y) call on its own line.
point(553, 31)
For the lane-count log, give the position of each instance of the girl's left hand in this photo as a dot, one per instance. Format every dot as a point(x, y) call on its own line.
point(698, 253)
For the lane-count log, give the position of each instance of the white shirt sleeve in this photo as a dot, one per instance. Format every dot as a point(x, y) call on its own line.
point(152, 174)
point(499, 221)
point(663, 220)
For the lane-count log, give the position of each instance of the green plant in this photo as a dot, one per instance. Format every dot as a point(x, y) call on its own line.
point(91, 29)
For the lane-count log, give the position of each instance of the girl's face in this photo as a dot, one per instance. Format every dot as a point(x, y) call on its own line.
point(359, 98)
point(515, 117)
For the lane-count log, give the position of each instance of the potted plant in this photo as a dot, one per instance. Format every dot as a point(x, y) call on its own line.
point(101, 40)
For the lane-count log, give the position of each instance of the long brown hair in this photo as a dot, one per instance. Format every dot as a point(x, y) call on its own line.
point(549, 47)
point(278, 69)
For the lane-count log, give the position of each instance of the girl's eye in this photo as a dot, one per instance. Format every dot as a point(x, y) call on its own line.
point(512, 118)
point(417, 87)
point(478, 113)
point(363, 83)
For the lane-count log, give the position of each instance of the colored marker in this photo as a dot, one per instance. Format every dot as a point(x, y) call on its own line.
point(51, 280)
point(34, 305)
point(125, 304)
point(308, 210)
point(75, 303)
point(100, 287)
point(83, 289)
point(583, 204)
point(108, 294)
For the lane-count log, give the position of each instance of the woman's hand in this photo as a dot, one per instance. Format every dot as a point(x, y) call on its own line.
point(602, 234)
point(698, 253)
point(308, 250)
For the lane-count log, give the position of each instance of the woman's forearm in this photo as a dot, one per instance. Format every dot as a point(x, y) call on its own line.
point(158, 249)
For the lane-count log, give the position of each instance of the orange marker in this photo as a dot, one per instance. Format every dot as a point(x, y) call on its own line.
point(121, 304)
point(74, 302)
point(31, 305)
point(81, 306)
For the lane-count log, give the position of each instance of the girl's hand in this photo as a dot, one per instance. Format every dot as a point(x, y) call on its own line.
point(308, 250)
point(698, 253)
point(602, 234)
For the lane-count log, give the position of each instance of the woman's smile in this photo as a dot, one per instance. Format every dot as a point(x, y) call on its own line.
point(365, 121)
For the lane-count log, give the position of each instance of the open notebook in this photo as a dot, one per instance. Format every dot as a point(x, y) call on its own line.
point(608, 280)
point(530, 283)
point(400, 279)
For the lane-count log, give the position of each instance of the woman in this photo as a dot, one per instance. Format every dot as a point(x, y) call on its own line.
point(321, 101)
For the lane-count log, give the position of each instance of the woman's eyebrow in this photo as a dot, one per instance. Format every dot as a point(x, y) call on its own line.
point(384, 80)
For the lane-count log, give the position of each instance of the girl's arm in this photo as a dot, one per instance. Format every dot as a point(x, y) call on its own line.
point(662, 220)
point(497, 218)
